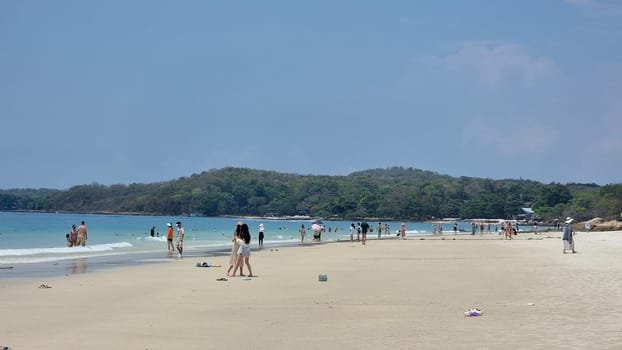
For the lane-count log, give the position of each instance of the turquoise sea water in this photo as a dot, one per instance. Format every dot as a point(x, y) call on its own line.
point(40, 237)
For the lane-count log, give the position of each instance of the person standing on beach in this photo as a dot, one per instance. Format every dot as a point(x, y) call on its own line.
point(568, 236)
point(403, 230)
point(508, 230)
point(82, 235)
point(303, 232)
point(244, 252)
point(260, 236)
point(352, 228)
point(169, 237)
point(180, 240)
point(233, 258)
point(364, 229)
point(379, 230)
point(535, 228)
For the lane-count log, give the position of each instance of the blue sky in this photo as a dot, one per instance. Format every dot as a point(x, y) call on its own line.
point(145, 91)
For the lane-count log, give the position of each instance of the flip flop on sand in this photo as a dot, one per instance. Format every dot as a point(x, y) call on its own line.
point(44, 286)
point(221, 279)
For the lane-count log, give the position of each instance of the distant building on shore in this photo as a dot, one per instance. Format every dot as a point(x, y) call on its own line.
point(527, 214)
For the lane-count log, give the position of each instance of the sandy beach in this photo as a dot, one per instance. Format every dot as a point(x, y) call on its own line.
point(399, 294)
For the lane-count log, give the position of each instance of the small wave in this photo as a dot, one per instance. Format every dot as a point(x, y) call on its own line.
point(155, 239)
point(64, 250)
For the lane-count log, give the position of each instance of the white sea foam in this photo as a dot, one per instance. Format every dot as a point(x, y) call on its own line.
point(64, 250)
point(155, 239)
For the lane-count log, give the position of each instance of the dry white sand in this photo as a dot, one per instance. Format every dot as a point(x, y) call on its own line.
point(388, 294)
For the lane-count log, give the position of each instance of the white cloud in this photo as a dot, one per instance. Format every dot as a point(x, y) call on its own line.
point(492, 64)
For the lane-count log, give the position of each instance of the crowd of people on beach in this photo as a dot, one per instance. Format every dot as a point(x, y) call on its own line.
point(77, 236)
point(362, 228)
point(241, 240)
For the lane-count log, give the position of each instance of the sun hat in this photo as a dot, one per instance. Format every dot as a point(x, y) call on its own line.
point(402, 224)
point(169, 225)
point(569, 220)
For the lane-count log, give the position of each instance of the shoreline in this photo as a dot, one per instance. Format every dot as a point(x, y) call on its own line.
point(81, 265)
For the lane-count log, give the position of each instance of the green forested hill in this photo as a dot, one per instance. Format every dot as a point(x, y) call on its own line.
point(384, 193)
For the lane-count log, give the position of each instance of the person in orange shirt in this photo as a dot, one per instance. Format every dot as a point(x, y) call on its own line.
point(169, 237)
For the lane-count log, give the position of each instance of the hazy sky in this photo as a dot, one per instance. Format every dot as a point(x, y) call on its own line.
point(145, 91)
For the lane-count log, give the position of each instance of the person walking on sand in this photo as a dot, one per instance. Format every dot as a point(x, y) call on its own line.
point(244, 252)
point(379, 230)
point(82, 235)
point(303, 232)
point(403, 230)
point(260, 236)
point(568, 236)
point(180, 240)
point(364, 229)
point(358, 231)
point(235, 246)
point(169, 237)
